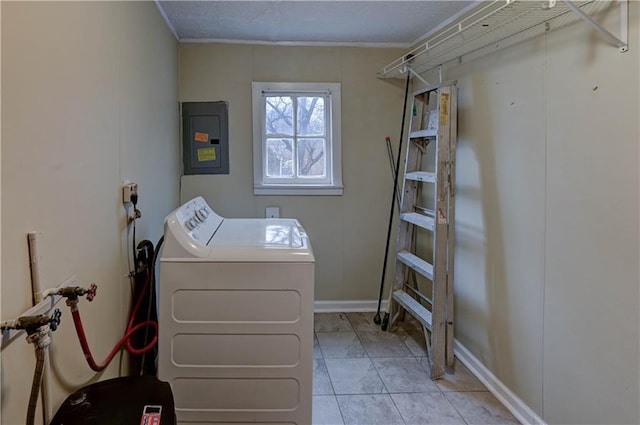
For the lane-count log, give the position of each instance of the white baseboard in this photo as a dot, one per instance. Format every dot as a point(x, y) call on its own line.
point(511, 401)
point(348, 306)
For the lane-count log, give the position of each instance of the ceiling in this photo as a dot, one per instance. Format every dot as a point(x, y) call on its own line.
point(337, 22)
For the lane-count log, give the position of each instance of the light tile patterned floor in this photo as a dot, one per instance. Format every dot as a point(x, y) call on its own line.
point(365, 376)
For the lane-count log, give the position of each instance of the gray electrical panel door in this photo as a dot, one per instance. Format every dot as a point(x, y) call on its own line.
point(205, 137)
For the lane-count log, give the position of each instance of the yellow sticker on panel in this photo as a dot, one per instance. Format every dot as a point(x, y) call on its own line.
point(206, 154)
point(444, 108)
point(201, 137)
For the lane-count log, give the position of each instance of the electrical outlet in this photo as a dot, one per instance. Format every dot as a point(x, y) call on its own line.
point(127, 190)
point(272, 212)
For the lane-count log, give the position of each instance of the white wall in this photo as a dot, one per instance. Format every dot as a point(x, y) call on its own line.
point(547, 206)
point(547, 221)
point(89, 99)
point(347, 232)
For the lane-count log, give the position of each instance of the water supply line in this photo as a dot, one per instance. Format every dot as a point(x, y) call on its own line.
point(72, 295)
point(38, 330)
point(41, 342)
point(34, 262)
point(36, 296)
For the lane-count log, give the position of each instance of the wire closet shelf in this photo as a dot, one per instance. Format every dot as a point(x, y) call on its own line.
point(488, 23)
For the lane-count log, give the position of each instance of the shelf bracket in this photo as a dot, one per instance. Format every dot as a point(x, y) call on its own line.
point(623, 42)
point(408, 69)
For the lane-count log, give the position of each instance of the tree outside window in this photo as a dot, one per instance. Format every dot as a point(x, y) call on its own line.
point(297, 139)
point(295, 131)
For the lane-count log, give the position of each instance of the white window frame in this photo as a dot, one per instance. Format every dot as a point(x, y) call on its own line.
point(263, 185)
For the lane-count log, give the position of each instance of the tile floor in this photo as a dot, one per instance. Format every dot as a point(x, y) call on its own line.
point(365, 376)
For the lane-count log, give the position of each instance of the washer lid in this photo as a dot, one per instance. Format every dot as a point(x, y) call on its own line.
point(260, 240)
point(251, 232)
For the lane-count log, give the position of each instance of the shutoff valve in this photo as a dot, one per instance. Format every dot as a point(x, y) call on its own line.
point(73, 292)
point(72, 296)
point(32, 324)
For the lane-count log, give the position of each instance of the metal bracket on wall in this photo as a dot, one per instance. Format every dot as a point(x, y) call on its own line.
point(623, 42)
point(416, 75)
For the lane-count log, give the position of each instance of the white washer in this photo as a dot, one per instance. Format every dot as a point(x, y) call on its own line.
point(236, 317)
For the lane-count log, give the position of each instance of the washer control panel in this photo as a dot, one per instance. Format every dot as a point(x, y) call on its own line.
point(198, 220)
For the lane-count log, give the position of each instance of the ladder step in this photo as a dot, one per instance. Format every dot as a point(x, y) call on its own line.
point(421, 134)
point(424, 210)
point(416, 263)
point(418, 219)
point(413, 307)
point(421, 176)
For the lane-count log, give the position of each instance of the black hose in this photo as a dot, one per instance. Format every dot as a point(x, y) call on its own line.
point(35, 387)
point(134, 201)
point(155, 255)
point(152, 294)
point(133, 247)
point(376, 319)
point(154, 260)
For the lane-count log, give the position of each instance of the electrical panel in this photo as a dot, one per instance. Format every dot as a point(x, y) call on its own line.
point(205, 137)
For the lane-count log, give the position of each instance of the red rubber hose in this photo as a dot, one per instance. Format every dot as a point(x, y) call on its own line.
point(126, 339)
point(132, 317)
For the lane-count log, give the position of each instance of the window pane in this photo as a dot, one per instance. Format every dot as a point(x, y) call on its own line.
point(311, 116)
point(279, 115)
point(279, 158)
point(312, 158)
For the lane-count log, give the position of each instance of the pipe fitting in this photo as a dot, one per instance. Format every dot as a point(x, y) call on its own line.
point(9, 324)
point(73, 304)
point(41, 338)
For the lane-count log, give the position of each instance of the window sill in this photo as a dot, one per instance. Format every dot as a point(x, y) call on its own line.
point(299, 190)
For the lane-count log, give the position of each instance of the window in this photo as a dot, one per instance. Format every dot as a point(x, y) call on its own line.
point(296, 139)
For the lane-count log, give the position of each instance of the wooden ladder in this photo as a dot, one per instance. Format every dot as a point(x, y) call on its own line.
point(424, 250)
